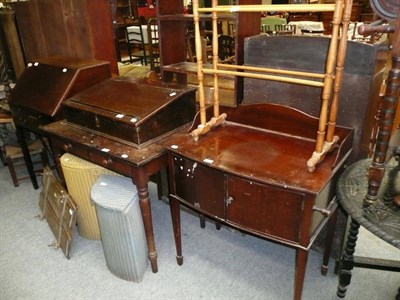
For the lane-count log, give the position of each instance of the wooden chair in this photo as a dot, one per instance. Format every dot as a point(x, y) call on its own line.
point(191, 48)
point(265, 28)
point(135, 42)
point(226, 48)
point(11, 153)
point(14, 159)
point(286, 29)
point(154, 50)
point(5, 119)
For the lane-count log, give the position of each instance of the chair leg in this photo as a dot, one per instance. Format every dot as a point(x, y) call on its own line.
point(11, 168)
point(128, 49)
point(3, 160)
point(44, 158)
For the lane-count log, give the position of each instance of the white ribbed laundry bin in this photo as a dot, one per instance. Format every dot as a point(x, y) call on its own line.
point(121, 226)
point(80, 175)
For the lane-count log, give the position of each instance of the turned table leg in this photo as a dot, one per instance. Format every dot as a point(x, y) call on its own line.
point(145, 208)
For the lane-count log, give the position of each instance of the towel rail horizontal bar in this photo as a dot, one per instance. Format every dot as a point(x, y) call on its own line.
point(271, 70)
point(269, 77)
point(270, 7)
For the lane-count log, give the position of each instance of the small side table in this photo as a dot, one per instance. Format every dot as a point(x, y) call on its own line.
point(382, 218)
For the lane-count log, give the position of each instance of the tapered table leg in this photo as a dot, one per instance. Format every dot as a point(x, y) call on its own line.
point(176, 224)
point(300, 271)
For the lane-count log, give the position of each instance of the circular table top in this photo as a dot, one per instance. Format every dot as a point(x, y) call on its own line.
point(381, 218)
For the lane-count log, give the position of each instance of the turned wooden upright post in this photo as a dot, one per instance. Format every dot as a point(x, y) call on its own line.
point(386, 119)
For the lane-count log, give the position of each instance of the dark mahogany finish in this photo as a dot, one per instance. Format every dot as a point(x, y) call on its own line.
point(250, 173)
point(131, 110)
point(154, 104)
point(69, 28)
point(42, 87)
point(138, 164)
point(364, 70)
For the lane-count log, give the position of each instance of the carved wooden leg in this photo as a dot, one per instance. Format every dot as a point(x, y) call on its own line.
point(27, 157)
point(342, 246)
point(300, 271)
point(328, 242)
point(145, 208)
point(347, 260)
point(389, 107)
point(174, 206)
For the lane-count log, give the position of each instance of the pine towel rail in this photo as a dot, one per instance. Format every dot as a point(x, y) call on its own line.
point(330, 82)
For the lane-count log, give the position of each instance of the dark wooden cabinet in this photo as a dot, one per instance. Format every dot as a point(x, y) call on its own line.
point(123, 10)
point(243, 203)
point(307, 16)
point(203, 188)
point(82, 29)
point(249, 174)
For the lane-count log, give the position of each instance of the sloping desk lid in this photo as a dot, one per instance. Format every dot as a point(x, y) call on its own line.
point(127, 98)
point(46, 83)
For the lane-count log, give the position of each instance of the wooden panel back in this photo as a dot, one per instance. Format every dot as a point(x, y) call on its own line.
point(363, 72)
point(70, 28)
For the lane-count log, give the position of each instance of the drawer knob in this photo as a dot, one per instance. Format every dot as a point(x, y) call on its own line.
point(67, 147)
point(324, 211)
point(107, 161)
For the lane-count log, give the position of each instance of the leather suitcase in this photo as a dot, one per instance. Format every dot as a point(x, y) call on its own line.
point(59, 210)
point(132, 111)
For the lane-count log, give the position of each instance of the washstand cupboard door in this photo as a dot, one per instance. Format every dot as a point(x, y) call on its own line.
point(265, 209)
point(199, 186)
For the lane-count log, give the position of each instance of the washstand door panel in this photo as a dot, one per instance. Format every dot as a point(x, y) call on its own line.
point(199, 186)
point(264, 209)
